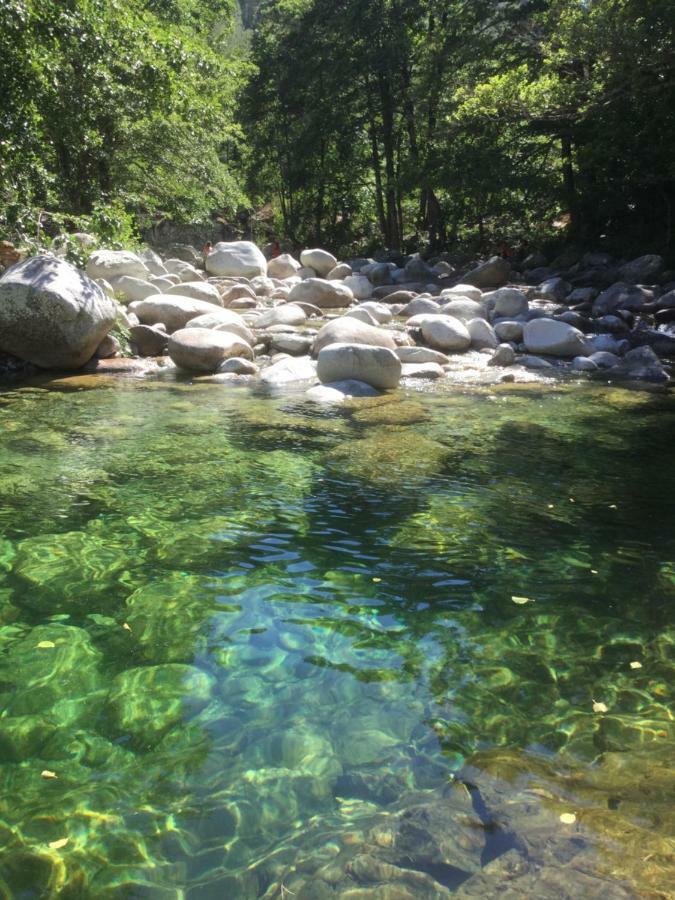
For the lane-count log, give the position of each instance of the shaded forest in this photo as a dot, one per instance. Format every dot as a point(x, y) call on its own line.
point(356, 124)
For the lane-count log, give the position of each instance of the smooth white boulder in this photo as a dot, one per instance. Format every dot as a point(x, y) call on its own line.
point(340, 272)
point(555, 338)
point(224, 320)
point(507, 302)
point(464, 309)
point(320, 260)
point(203, 350)
point(421, 355)
point(200, 290)
point(52, 314)
point(469, 291)
point(240, 258)
point(174, 311)
point(362, 315)
point(360, 286)
point(322, 293)
point(111, 264)
point(347, 330)
point(289, 370)
point(283, 266)
point(482, 334)
point(133, 288)
point(445, 333)
point(286, 314)
point(376, 366)
point(379, 311)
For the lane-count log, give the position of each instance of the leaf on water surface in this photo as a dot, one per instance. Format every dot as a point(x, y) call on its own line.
point(600, 707)
point(594, 571)
point(521, 601)
point(636, 665)
point(57, 845)
point(126, 626)
point(47, 773)
point(45, 645)
point(377, 579)
point(568, 818)
point(613, 506)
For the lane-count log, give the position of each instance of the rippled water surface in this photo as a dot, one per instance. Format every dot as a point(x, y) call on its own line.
point(252, 647)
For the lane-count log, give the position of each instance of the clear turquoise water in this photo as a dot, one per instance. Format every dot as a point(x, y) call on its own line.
point(238, 628)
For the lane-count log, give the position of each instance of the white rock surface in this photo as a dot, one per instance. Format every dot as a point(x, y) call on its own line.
point(320, 260)
point(241, 258)
point(445, 333)
point(555, 339)
point(347, 330)
point(174, 311)
point(283, 266)
point(203, 350)
point(199, 290)
point(289, 370)
point(115, 263)
point(376, 366)
point(52, 314)
point(360, 286)
point(322, 293)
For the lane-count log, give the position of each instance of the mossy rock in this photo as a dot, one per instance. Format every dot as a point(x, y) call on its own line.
point(147, 702)
point(388, 453)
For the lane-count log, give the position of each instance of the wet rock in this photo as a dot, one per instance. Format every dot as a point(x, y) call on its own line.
point(289, 370)
point(236, 365)
point(642, 364)
point(147, 702)
point(583, 364)
point(427, 371)
point(419, 355)
point(375, 365)
point(108, 348)
point(509, 331)
point(604, 360)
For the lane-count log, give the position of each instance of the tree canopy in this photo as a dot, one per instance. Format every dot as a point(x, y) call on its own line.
point(358, 123)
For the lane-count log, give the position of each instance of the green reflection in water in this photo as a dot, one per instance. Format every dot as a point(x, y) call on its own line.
point(244, 640)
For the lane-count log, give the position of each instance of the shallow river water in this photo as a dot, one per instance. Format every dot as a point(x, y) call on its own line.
point(253, 647)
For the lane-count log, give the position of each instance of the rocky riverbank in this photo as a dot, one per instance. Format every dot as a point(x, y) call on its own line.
point(340, 328)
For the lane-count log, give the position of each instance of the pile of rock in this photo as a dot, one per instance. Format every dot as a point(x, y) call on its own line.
point(353, 326)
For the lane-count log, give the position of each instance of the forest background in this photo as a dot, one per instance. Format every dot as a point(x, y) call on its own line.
point(352, 124)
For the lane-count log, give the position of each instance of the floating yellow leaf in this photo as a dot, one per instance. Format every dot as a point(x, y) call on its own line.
point(550, 505)
point(613, 506)
point(377, 579)
point(56, 845)
point(594, 571)
point(636, 665)
point(46, 773)
point(568, 818)
point(45, 645)
point(600, 707)
point(572, 500)
point(126, 626)
point(521, 601)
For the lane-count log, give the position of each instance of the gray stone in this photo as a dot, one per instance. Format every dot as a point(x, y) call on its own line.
point(322, 293)
point(534, 362)
point(347, 330)
point(642, 364)
point(493, 273)
point(379, 274)
point(294, 344)
point(174, 311)
point(52, 314)
point(507, 302)
point(148, 340)
point(135, 288)
point(643, 270)
point(380, 311)
point(420, 306)
point(375, 365)
point(286, 314)
point(445, 333)
point(224, 320)
point(199, 290)
point(283, 266)
point(507, 330)
point(468, 291)
point(482, 334)
point(203, 349)
point(360, 286)
point(583, 364)
point(621, 296)
point(340, 272)
point(554, 289)
point(554, 338)
point(288, 370)
point(428, 371)
point(420, 355)
point(605, 360)
point(241, 258)
point(237, 365)
point(362, 315)
point(464, 309)
point(504, 355)
point(110, 264)
point(320, 260)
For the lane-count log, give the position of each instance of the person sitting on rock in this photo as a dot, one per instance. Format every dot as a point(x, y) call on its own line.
point(206, 249)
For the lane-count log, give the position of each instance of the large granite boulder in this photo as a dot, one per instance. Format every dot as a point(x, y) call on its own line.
point(348, 330)
point(111, 264)
point(173, 310)
point(555, 338)
point(51, 314)
point(239, 258)
point(379, 367)
point(445, 333)
point(491, 274)
point(322, 293)
point(203, 349)
point(283, 266)
point(321, 261)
